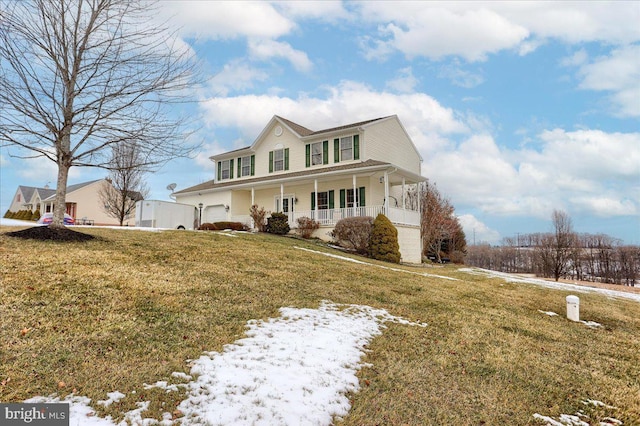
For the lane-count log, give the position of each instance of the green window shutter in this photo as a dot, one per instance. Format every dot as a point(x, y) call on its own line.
point(336, 150)
point(239, 166)
point(313, 200)
point(231, 169)
point(343, 198)
point(307, 161)
point(286, 158)
point(331, 200)
point(356, 147)
point(253, 165)
point(219, 170)
point(325, 152)
point(361, 196)
point(270, 161)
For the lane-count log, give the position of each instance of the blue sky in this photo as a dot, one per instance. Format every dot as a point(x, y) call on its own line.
point(517, 108)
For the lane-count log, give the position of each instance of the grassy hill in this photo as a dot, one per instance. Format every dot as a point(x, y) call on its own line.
point(132, 307)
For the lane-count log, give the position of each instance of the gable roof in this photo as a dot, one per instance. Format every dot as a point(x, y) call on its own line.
point(301, 131)
point(71, 188)
point(28, 191)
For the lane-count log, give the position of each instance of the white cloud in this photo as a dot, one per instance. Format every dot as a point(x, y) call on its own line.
point(405, 82)
point(236, 76)
point(477, 231)
point(424, 118)
point(586, 171)
point(330, 11)
point(227, 20)
point(477, 29)
point(460, 77)
point(267, 49)
point(618, 72)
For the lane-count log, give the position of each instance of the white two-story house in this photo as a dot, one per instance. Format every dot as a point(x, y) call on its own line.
point(359, 169)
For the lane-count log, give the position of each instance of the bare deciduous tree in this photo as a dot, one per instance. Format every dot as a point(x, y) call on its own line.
point(79, 76)
point(126, 183)
point(439, 225)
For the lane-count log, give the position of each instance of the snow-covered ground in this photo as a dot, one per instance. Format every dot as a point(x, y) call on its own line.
point(550, 284)
point(293, 370)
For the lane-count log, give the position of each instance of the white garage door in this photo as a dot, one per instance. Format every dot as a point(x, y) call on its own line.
point(214, 214)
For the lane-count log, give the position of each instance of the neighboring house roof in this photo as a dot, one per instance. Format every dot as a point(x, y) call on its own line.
point(212, 185)
point(71, 188)
point(29, 191)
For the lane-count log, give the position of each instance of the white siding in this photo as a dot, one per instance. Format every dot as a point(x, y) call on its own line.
point(386, 141)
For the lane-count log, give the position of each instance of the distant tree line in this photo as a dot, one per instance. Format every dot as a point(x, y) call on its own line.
point(562, 254)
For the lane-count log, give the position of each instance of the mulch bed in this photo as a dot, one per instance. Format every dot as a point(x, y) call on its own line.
point(46, 233)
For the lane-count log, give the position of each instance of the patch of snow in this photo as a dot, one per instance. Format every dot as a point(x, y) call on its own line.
point(591, 324)
point(294, 369)
point(181, 375)
point(597, 403)
point(360, 262)
point(113, 397)
point(165, 386)
point(15, 222)
point(574, 420)
point(550, 284)
point(550, 313)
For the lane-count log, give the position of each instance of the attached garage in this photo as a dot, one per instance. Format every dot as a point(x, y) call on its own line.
point(216, 213)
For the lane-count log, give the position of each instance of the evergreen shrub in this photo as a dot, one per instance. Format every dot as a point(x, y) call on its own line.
point(384, 240)
point(278, 224)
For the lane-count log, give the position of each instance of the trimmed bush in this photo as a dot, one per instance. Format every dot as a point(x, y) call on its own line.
point(306, 226)
point(384, 240)
point(354, 233)
point(278, 224)
point(258, 214)
point(221, 226)
point(8, 215)
point(35, 215)
point(208, 227)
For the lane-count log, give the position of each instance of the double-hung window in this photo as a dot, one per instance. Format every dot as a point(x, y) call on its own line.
point(278, 160)
point(346, 148)
point(316, 153)
point(225, 169)
point(245, 167)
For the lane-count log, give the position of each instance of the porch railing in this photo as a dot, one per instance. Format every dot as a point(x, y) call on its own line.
point(332, 216)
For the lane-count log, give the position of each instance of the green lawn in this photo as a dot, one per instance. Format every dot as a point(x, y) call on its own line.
point(131, 307)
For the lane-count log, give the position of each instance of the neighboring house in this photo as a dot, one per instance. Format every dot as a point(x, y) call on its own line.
point(359, 169)
point(83, 202)
point(29, 198)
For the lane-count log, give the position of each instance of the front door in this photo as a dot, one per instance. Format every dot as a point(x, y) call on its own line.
point(286, 207)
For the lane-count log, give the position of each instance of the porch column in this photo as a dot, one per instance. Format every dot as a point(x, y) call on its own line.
point(315, 201)
point(386, 193)
point(355, 197)
point(281, 197)
point(404, 204)
point(253, 202)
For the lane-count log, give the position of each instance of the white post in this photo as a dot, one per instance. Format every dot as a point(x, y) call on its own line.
point(253, 202)
point(315, 201)
point(355, 196)
point(386, 194)
point(573, 308)
point(281, 197)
